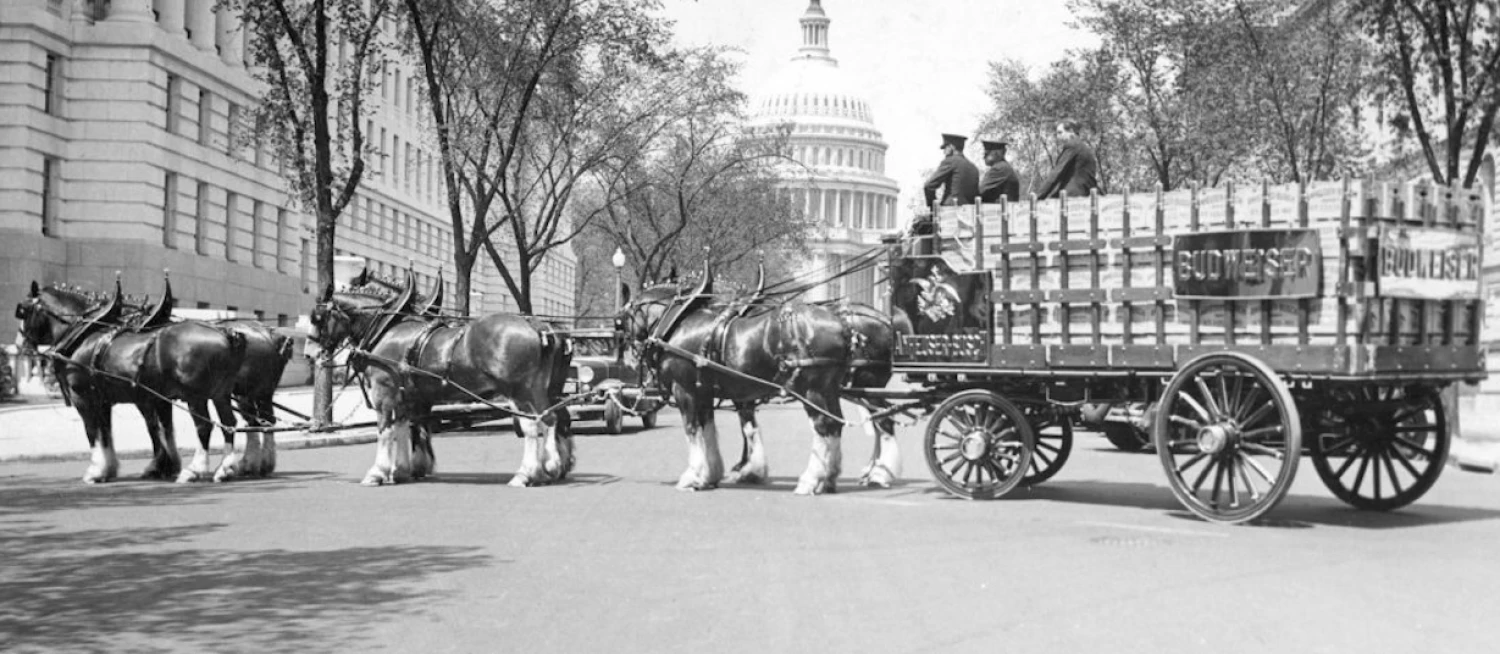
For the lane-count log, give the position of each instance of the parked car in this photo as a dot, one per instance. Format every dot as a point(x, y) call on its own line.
point(612, 381)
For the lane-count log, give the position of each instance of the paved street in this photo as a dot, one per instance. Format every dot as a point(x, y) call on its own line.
point(1101, 559)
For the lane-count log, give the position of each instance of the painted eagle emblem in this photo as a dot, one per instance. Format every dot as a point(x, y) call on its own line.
point(936, 298)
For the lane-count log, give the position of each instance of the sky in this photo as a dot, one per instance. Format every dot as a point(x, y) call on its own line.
point(923, 66)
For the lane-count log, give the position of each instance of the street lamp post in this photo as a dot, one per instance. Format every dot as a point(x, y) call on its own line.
point(619, 260)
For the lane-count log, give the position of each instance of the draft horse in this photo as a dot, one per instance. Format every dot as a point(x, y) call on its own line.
point(99, 362)
point(871, 334)
point(701, 348)
point(412, 362)
point(266, 355)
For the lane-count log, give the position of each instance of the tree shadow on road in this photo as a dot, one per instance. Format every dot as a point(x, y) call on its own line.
point(27, 495)
point(146, 590)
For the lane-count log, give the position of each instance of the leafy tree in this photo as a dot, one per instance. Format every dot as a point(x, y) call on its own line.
point(318, 60)
point(1299, 72)
point(1442, 59)
point(531, 98)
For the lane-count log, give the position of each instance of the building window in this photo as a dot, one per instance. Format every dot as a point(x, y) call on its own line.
point(232, 129)
point(231, 205)
point(200, 221)
point(169, 211)
point(283, 320)
point(255, 230)
point(174, 102)
point(307, 265)
point(281, 234)
point(50, 179)
point(205, 116)
point(52, 94)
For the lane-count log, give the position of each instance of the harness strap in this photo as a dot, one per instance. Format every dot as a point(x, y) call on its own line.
point(414, 352)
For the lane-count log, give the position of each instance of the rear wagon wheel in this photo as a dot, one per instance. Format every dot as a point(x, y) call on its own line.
point(1385, 447)
point(978, 445)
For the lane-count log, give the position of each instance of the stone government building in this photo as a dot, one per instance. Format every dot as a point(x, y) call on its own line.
point(840, 182)
point(116, 118)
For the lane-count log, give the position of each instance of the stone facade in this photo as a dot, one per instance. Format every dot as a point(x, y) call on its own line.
point(119, 153)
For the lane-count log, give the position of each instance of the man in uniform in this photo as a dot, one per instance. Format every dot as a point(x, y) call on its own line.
point(1076, 171)
point(958, 178)
point(999, 179)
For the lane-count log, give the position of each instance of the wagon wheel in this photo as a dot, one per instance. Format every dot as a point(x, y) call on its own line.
point(1382, 450)
point(1229, 436)
point(978, 445)
point(1051, 448)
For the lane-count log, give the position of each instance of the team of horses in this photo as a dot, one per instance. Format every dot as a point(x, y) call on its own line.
point(698, 346)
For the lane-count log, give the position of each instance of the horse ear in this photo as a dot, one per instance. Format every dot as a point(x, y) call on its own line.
point(35, 290)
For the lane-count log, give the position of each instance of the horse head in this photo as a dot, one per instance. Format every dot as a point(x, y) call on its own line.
point(641, 315)
point(46, 314)
point(345, 316)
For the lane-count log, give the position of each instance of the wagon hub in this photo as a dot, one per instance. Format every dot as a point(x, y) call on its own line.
point(1215, 438)
point(975, 445)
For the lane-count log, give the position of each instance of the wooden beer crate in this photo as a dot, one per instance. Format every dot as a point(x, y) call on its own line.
point(1093, 283)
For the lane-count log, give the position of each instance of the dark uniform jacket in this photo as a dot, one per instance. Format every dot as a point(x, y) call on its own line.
point(1076, 172)
point(1000, 180)
point(958, 178)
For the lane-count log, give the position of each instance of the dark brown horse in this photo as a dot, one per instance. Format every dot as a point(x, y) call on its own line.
point(99, 362)
point(412, 362)
point(755, 350)
point(266, 355)
point(872, 342)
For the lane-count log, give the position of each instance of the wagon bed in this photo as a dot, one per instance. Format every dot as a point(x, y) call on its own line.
point(1237, 320)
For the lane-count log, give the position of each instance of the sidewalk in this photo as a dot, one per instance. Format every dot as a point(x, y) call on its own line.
point(48, 430)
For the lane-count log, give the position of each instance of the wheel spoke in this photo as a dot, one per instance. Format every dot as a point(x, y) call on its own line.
point(1364, 464)
point(1243, 463)
point(1186, 422)
point(1231, 468)
point(1261, 471)
point(1187, 399)
point(1263, 450)
point(1264, 431)
point(1401, 442)
point(1208, 398)
point(1239, 397)
point(1339, 444)
point(1260, 414)
point(1390, 468)
point(1197, 484)
point(1213, 499)
point(1190, 462)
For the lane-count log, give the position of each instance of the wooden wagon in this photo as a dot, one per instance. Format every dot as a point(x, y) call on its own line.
point(1247, 326)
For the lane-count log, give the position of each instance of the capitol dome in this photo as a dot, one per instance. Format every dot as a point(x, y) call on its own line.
point(839, 179)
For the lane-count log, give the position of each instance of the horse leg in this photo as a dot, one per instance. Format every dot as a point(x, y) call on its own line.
point(153, 429)
point(885, 460)
point(232, 465)
point(532, 472)
point(823, 466)
point(423, 461)
point(265, 413)
point(557, 441)
point(103, 466)
point(392, 464)
point(198, 469)
point(752, 468)
point(168, 463)
point(250, 456)
point(705, 464)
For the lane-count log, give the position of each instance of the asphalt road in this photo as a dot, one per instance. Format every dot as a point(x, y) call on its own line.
point(1100, 559)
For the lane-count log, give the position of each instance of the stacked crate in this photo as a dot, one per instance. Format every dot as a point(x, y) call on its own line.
point(1088, 282)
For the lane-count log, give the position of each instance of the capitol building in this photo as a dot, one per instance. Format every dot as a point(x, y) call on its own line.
point(839, 179)
point(119, 152)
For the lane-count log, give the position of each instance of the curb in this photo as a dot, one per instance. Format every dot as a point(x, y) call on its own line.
point(311, 442)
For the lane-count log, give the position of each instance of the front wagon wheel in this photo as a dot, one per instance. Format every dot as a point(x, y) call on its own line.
point(978, 445)
point(1229, 437)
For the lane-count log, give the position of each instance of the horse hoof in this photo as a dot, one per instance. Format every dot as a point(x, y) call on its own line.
point(520, 481)
point(815, 488)
point(188, 477)
point(879, 477)
point(373, 480)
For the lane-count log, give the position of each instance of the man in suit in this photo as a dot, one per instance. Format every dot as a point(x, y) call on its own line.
point(999, 179)
point(958, 178)
point(1076, 171)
